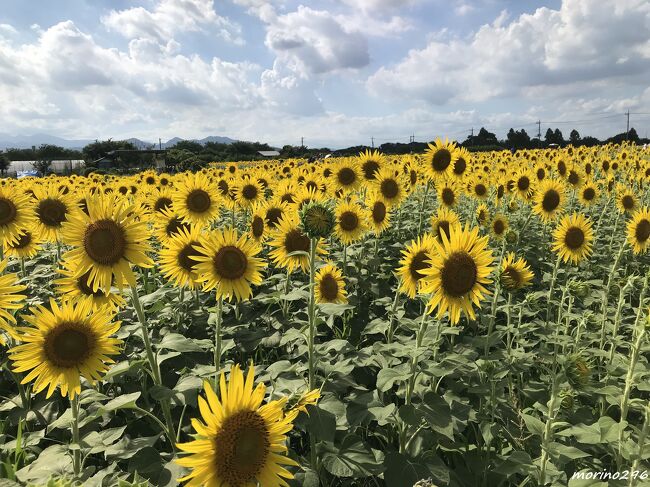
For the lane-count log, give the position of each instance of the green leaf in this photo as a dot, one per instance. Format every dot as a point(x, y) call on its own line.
point(321, 423)
point(437, 414)
point(387, 377)
point(534, 425)
point(145, 461)
point(352, 459)
point(402, 470)
point(179, 343)
point(127, 401)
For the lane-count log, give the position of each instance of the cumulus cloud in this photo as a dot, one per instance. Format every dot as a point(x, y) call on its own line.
point(169, 17)
point(584, 41)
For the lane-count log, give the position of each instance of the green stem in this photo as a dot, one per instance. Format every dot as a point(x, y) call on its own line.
point(217, 342)
point(153, 363)
point(643, 434)
point(76, 454)
point(285, 302)
point(391, 316)
point(495, 298)
point(311, 311)
point(551, 289)
point(414, 360)
point(608, 286)
point(422, 203)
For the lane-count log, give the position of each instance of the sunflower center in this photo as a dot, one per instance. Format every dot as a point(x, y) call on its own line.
point(413, 176)
point(7, 211)
point(346, 176)
point(162, 203)
point(82, 285)
point(378, 212)
point(349, 221)
point(459, 274)
point(418, 262)
point(441, 160)
point(523, 183)
point(605, 166)
point(311, 185)
point(628, 202)
point(230, 262)
point(249, 192)
point(389, 188)
point(480, 189)
point(51, 212)
point(257, 226)
point(69, 345)
point(223, 187)
point(448, 196)
point(242, 446)
point(551, 200)
point(589, 194)
point(512, 276)
point(150, 180)
point(561, 168)
point(273, 216)
point(287, 198)
point(329, 288)
point(460, 166)
point(184, 257)
point(443, 228)
point(574, 238)
point(105, 242)
point(296, 241)
point(24, 239)
point(370, 168)
point(642, 232)
point(541, 173)
point(198, 201)
point(574, 178)
point(174, 226)
point(498, 226)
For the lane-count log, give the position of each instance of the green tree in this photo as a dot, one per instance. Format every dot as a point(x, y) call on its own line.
point(574, 137)
point(42, 166)
point(4, 163)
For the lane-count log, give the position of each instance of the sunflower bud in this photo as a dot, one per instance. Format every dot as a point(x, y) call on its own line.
point(512, 237)
point(317, 220)
point(578, 371)
point(567, 400)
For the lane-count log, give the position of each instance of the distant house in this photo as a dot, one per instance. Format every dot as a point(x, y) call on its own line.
point(108, 161)
point(59, 166)
point(268, 153)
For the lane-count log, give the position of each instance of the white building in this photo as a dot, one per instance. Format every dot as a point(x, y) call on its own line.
point(59, 166)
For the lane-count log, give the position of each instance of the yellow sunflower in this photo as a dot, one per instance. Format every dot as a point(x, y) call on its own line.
point(228, 263)
point(442, 221)
point(168, 223)
point(550, 198)
point(370, 163)
point(459, 269)
point(588, 193)
point(75, 288)
point(515, 273)
point(346, 175)
point(351, 222)
point(160, 200)
point(290, 245)
point(16, 213)
point(9, 300)
point(448, 193)
point(258, 229)
point(626, 201)
point(52, 209)
point(240, 441)
point(107, 242)
point(440, 159)
point(196, 200)
point(499, 226)
point(330, 286)
point(389, 187)
point(177, 258)
point(63, 344)
point(379, 215)
point(638, 231)
point(248, 192)
point(573, 238)
point(415, 258)
point(26, 246)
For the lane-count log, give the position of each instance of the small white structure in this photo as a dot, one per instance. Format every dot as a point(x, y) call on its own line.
point(59, 166)
point(268, 153)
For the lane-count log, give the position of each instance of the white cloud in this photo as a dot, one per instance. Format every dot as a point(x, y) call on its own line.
point(169, 17)
point(585, 41)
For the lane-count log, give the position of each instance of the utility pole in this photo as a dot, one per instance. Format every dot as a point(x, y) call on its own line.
point(539, 133)
point(372, 141)
point(627, 129)
point(302, 142)
point(159, 143)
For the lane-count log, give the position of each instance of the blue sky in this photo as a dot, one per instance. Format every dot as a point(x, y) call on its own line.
point(336, 72)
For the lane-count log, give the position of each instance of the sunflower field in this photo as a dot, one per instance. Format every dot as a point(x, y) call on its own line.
point(439, 319)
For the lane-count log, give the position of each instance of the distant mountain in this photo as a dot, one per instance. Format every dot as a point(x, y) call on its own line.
point(29, 141)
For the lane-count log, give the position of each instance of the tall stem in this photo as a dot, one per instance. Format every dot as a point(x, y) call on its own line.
point(414, 360)
point(76, 454)
point(311, 310)
point(153, 363)
point(217, 341)
point(495, 299)
point(551, 289)
point(422, 203)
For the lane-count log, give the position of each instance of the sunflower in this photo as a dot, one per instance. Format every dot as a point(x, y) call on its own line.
point(177, 258)
point(106, 242)
point(345, 175)
point(415, 258)
point(440, 159)
point(9, 300)
point(274, 210)
point(462, 165)
point(482, 214)
point(63, 344)
point(442, 221)
point(160, 199)
point(241, 441)
point(196, 200)
point(626, 200)
point(167, 224)
point(26, 246)
point(573, 238)
point(379, 215)
point(574, 177)
point(370, 163)
point(515, 274)
point(52, 209)
point(523, 184)
point(330, 287)
point(290, 245)
point(389, 187)
point(499, 226)
point(351, 222)
point(459, 268)
point(75, 288)
point(638, 231)
point(478, 188)
point(448, 193)
point(588, 193)
point(258, 229)
point(16, 213)
point(549, 199)
point(248, 192)
point(228, 263)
